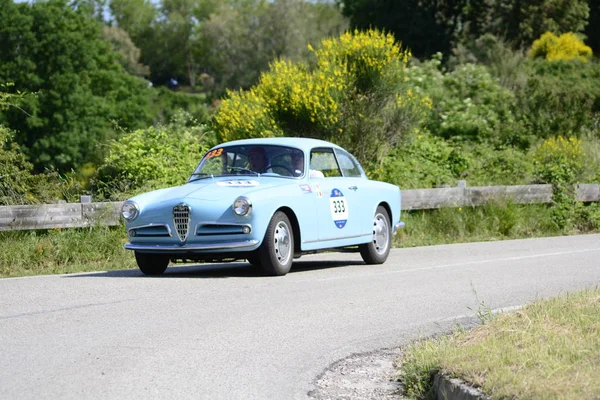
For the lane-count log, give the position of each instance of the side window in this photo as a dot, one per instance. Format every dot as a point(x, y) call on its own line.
point(348, 164)
point(323, 160)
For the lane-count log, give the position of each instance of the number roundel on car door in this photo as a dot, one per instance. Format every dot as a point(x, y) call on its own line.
point(338, 207)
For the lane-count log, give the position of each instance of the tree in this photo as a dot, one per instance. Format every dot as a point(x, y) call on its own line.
point(244, 36)
point(424, 26)
point(57, 52)
point(592, 30)
point(167, 34)
point(127, 54)
point(430, 26)
point(520, 22)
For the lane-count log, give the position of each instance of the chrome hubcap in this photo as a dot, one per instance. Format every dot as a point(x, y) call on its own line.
point(381, 234)
point(283, 245)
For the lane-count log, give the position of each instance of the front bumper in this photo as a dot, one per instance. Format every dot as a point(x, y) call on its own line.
point(158, 248)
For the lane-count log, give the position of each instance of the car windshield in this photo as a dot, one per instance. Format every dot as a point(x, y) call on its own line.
point(251, 160)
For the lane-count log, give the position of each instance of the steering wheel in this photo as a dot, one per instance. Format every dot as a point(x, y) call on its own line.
point(287, 169)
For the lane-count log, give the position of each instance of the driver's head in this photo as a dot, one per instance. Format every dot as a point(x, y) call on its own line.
point(257, 158)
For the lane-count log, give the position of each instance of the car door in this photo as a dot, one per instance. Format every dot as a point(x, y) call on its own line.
point(335, 206)
point(358, 191)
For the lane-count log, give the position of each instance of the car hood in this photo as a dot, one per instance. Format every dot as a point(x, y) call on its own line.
point(211, 190)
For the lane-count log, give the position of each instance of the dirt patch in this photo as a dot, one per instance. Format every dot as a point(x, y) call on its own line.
point(360, 376)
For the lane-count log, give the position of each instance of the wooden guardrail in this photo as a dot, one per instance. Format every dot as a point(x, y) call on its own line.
point(71, 215)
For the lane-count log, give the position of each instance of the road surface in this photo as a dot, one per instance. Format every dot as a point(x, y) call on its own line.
point(225, 332)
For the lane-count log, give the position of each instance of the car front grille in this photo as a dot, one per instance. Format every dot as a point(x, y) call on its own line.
point(181, 220)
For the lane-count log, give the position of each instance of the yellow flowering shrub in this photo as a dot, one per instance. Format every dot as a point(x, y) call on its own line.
point(366, 56)
point(559, 149)
point(354, 95)
point(565, 47)
point(302, 99)
point(245, 114)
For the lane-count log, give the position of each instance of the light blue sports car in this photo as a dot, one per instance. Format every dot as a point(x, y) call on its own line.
point(268, 201)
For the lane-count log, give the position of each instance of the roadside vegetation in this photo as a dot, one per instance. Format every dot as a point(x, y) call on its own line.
point(547, 350)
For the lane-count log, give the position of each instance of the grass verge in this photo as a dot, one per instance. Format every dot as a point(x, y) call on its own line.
point(474, 224)
point(60, 251)
point(550, 349)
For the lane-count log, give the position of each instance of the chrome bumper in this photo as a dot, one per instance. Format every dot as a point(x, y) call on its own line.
point(398, 225)
point(158, 248)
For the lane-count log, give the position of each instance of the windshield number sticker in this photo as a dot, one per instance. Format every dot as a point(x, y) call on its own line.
point(215, 153)
point(339, 208)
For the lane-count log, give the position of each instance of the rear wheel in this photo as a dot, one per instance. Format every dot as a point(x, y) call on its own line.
point(151, 264)
point(277, 250)
point(377, 251)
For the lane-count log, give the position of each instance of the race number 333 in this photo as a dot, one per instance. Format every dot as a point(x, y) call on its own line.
point(338, 208)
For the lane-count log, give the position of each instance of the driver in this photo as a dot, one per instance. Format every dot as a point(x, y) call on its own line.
point(257, 158)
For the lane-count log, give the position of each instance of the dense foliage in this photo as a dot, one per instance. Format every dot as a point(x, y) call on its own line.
point(77, 89)
point(355, 94)
point(431, 26)
point(152, 158)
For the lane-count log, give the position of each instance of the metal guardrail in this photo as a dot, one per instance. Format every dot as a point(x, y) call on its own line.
point(85, 214)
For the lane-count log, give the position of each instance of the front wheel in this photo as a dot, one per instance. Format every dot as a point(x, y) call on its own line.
point(277, 250)
point(151, 264)
point(377, 251)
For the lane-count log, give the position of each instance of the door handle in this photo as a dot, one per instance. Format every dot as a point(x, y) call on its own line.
point(353, 188)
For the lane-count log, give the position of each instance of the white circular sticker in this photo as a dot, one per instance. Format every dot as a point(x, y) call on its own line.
point(338, 207)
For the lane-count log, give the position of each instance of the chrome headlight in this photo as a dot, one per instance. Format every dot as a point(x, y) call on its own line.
point(129, 210)
point(242, 206)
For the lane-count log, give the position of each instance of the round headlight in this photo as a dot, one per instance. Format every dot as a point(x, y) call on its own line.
point(129, 210)
point(242, 206)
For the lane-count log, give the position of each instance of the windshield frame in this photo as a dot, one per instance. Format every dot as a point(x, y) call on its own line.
point(237, 158)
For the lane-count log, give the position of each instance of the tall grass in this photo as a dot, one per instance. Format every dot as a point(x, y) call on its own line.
point(547, 350)
point(468, 224)
point(59, 251)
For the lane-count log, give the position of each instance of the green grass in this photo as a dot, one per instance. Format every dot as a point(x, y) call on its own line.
point(60, 251)
point(550, 349)
point(470, 224)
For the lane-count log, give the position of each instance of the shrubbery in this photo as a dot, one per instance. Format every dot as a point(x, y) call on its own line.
point(18, 183)
point(566, 47)
point(468, 103)
point(152, 158)
point(354, 95)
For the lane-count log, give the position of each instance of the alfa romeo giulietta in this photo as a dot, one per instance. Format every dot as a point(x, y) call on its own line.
point(267, 201)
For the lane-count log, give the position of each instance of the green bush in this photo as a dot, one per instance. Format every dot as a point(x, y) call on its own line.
point(167, 103)
point(491, 166)
point(469, 104)
point(19, 185)
point(559, 161)
point(151, 158)
point(560, 98)
point(423, 161)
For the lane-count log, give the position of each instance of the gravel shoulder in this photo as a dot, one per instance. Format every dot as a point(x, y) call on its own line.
point(360, 376)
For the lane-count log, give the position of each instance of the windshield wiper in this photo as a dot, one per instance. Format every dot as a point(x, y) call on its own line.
point(241, 169)
point(200, 175)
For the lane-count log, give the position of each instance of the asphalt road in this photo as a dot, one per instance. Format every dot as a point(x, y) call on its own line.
point(224, 332)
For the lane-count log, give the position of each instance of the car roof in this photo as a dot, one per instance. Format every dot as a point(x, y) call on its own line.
point(301, 143)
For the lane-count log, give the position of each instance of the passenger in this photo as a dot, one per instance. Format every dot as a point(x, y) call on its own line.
point(297, 163)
